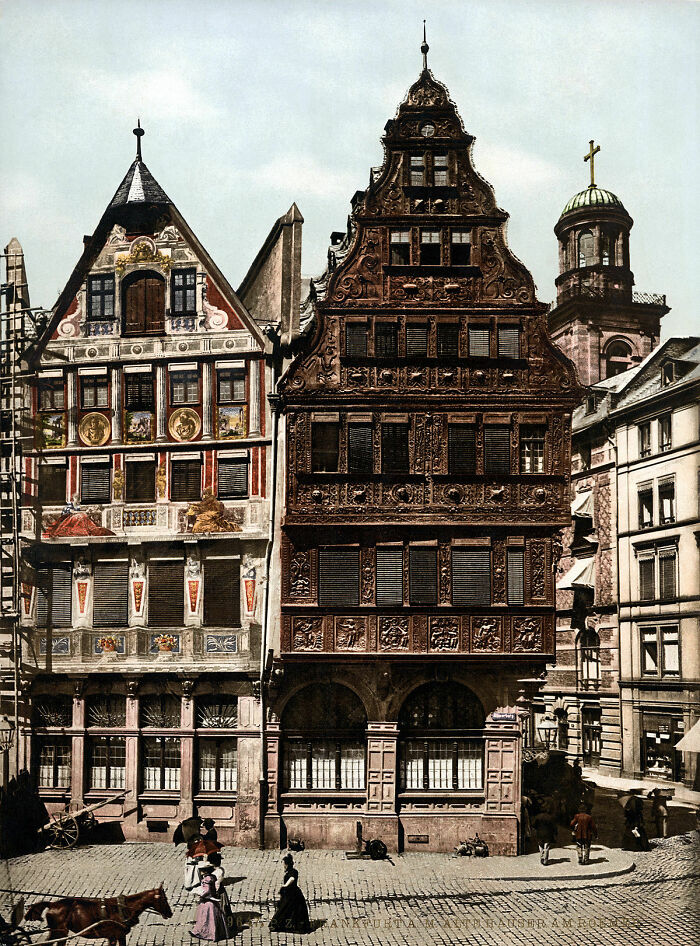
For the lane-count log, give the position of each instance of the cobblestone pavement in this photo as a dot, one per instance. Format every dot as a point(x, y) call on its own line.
point(421, 899)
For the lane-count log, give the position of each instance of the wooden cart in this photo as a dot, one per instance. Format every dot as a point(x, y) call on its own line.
point(65, 827)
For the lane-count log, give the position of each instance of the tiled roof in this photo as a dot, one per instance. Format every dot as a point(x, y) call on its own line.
point(592, 197)
point(139, 186)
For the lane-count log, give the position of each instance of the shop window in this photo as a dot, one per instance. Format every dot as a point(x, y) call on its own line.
point(645, 504)
point(52, 483)
point(232, 477)
point(665, 441)
point(461, 449)
point(106, 711)
point(660, 758)
point(400, 241)
point(532, 441)
point(509, 342)
point(230, 384)
point(159, 711)
point(447, 340)
point(516, 576)
point(471, 576)
point(54, 594)
point(422, 575)
point(217, 765)
point(165, 593)
point(101, 297)
point(54, 762)
point(360, 456)
point(185, 480)
point(385, 340)
point(107, 762)
point(52, 395)
point(586, 256)
point(214, 712)
point(591, 730)
point(389, 576)
point(667, 501)
point(394, 448)
point(324, 446)
point(184, 295)
point(140, 480)
point(94, 392)
point(184, 387)
point(430, 247)
point(589, 656)
point(138, 392)
point(417, 170)
point(338, 576)
point(110, 594)
point(496, 449)
point(460, 247)
point(356, 339)
point(416, 339)
point(161, 764)
point(222, 592)
point(479, 342)
point(143, 305)
point(644, 439)
point(440, 177)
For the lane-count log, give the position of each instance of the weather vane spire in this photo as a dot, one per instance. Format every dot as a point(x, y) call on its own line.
point(592, 152)
point(424, 49)
point(139, 132)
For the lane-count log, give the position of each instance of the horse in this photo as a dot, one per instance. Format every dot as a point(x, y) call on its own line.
point(108, 918)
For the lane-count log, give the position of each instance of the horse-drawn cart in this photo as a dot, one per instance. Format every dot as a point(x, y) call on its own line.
point(65, 827)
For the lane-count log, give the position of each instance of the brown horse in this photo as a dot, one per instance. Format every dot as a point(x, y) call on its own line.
point(108, 918)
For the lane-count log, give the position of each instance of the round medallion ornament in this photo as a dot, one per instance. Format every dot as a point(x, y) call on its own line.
point(427, 130)
point(91, 353)
point(183, 346)
point(184, 424)
point(94, 430)
point(136, 349)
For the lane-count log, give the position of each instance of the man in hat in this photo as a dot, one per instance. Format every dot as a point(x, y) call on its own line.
point(584, 829)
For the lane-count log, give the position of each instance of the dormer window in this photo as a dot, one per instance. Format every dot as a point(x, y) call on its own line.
point(400, 247)
point(101, 297)
point(430, 247)
point(460, 252)
point(417, 170)
point(591, 404)
point(668, 373)
point(440, 170)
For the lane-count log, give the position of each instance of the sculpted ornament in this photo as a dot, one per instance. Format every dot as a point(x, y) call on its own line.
point(393, 633)
point(307, 634)
point(444, 634)
point(486, 634)
point(537, 570)
point(350, 633)
point(527, 635)
point(300, 575)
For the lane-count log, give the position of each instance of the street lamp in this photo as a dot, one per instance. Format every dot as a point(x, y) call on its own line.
point(547, 731)
point(7, 734)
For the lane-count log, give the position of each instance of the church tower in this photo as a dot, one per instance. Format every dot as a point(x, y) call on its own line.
point(598, 321)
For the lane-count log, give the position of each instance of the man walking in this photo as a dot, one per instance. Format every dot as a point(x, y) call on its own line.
point(545, 832)
point(584, 828)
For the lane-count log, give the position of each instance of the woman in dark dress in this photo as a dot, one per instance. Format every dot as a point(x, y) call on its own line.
point(292, 914)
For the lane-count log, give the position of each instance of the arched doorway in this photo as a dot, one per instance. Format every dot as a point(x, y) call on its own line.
point(143, 303)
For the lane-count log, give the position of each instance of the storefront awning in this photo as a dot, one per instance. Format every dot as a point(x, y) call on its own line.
point(580, 575)
point(582, 506)
point(691, 741)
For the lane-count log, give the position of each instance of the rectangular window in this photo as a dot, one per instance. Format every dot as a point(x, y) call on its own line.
point(360, 459)
point(471, 576)
point(394, 448)
point(385, 340)
point(94, 392)
point(161, 764)
point(416, 339)
point(140, 481)
point(111, 594)
point(184, 387)
point(650, 651)
point(509, 342)
point(430, 247)
point(665, 442)
point(324, 446)
point(647, 579)
point(184, 301)
point(667, 574)
point(222, 592)
point(107, 766)
point(389, 576)
point(94, 482)
point(101, 297)
point(166, 596)
point(232, 477)
point(460, 248)
point(400, 241)
point(669, 650)
point(138, 392)
point(230, 385)
point(496, 449)
point(644, 439)
point(422, 575)
point(440, 170)
point(516, 576)
point(356, 339)
point(448, 340)
point(52, 483)
point(54, 593)
point(324, 764)
point(338, 576)
point(185, 480)
point(218, 765)
point(532, 440)
point(479, 342)
point(645, 503)
point(461, 448)
point(442, 764)
point(54, 763)
point(667, 501)
point(417, 170)
point(51, 396)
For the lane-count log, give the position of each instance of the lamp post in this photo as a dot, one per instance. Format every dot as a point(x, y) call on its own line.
point(7, 738)
point(547, 731)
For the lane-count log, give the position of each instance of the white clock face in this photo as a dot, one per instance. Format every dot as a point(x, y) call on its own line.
point(428, 130)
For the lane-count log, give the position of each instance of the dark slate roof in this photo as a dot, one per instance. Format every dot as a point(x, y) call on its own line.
point(139, 186)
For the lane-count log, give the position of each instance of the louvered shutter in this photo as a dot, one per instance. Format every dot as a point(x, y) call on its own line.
point(54, 592)
point(516, 576)
point(222, 592)
point(233, 478)
point(496, 448)
point(394, 448)
point(447, 339)
point(422, 563)
point(111, 594)
point(338, 576)
point(165, 593)
point(471, 576)
point(461, 448)
point(139, 392)
point(646, 579)
point(416, 339)
point(667, 574)
point(94, 483)
point(355, 340)
point(385, 340)
point(509, 342)
point(186, 480)
point(141, 481)
point(479, 344)
point(389, 575)
point(360, 458)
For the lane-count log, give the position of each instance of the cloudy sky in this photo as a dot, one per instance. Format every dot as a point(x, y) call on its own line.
point(249, 106)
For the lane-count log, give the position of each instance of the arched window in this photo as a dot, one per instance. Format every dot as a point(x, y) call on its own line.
point(589, 658)
point(442, 739)
point(585, 248)
point(143, 303)
point(607, 247)
point(324, 739)
point(618, 358)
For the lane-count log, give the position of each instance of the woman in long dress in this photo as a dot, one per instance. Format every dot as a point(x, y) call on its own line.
point(292, 914)
point(213, 867)
point(209, 923)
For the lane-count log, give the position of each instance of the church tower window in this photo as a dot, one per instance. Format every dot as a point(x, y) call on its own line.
point(618, 358)
point(585, 249)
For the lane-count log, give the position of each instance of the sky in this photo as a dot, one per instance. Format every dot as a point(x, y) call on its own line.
point(249, 106)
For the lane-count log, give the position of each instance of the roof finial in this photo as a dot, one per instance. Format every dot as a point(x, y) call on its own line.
point(592, 152)
point(424, 49)
point(139, 132)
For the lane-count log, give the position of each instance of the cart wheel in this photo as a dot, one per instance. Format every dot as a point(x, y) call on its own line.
point(63, 834)
point(377, 849)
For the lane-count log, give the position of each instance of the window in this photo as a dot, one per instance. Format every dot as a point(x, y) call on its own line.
point(52, 483)
point(94, 482)
point(232, 477)
point(54, 762)
point(159, 711)
point(400, 247)
point(213, 712)
point(51, 396)
point(516, 576)
point(585, 249)
point(143, 304)
point(447, 339)
point(230, 385)
point(584, 454)
point(360, 459)
point(324, 446)
point(647, 578)
point(389, 578)
point(496, 449)
point(222, 592)
point(385, 340)
point(591, 405)
point(53, 595)
point(140, 481)
point(618, 358)
point(589, 647)
point(509, 342)
point(184, 387)
point(394, 448)
point(665, 433)
point(667, 501)
point(165, 593)
point(185, 480)
point(667, 574)
point(460, 248)
point(440, 170)
point(471, 576)
point(644, 439)
point(106, 711)
point(591, 733)
point(430, 247)
point(461, 448)
point(138, 392)
point(356, 339)
point(338, 576)
point(607, 246)
point(184, 296)
point(532, 440)
point(660, 653)
point(417, 170)
point(218, 765)
point(667, 373)
point(101, 297)
point(667, 569)
point(111, 594)
point(422, 575)
point(479, 342)
point(645, 503)
point(416, 339)
point(94, 392)
point(107, 765)
point(161, 764)
point(52, 710)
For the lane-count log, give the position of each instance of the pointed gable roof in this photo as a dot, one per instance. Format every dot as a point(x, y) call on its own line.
point(139, 186)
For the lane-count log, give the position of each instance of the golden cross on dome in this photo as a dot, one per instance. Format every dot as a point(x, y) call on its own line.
point(591, 157)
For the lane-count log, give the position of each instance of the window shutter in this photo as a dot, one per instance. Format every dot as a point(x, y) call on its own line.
point(496, 448)
point(509, 342)
point(222, 592)
point(479, 343)
point(416, 339)
point(422, 579)
point(166, 594)
point(646, 579)
point(94, 483)
point(471, 576)
point(390, 575)
point(394, 448)
point(516, 576)
point(141, 481)
point(385, 340)
point(154, 289)
point(360, 459)
point(461, 448)
point(667, 574)
point(54, 592)
point(356, 340)
point(233, 478)
point(339, 576)
point(448, 339)
point(186, 480)
point(111, 594)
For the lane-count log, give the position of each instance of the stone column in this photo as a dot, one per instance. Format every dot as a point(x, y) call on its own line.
point(161, 403)
point(72, 405)
point(254, 399)
point(131, 781)
point(79, 773)
point(187, 766)
point(206, 401)
point(116, 405)
point(273, 821)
